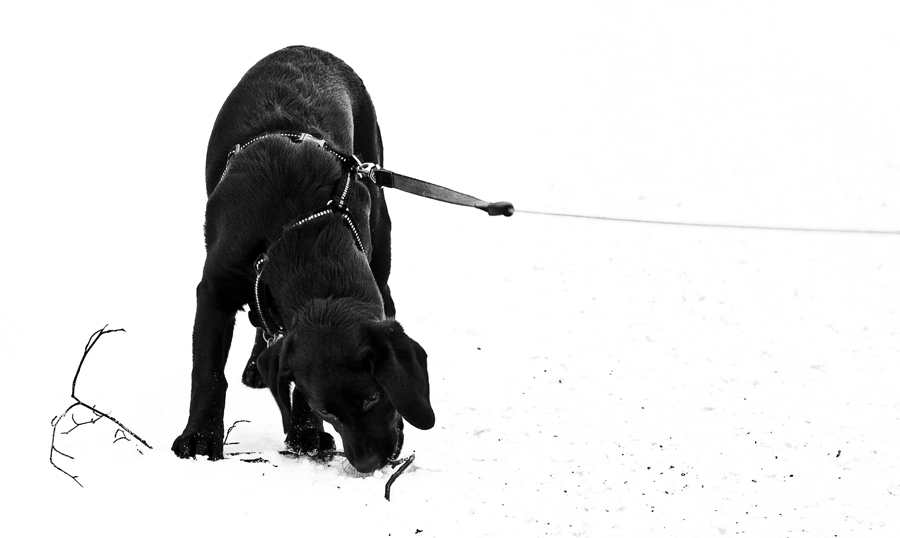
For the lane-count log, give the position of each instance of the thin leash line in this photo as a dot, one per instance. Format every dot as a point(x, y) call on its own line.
point(712, 225)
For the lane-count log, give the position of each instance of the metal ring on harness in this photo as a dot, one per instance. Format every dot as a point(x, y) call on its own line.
point(367, 170)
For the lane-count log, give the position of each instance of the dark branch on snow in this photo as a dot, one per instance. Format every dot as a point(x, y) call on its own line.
point(53, 449)
point(225, 442)
point(96, 418)
point(120, 433)
point(390, 482)
point(87, 348)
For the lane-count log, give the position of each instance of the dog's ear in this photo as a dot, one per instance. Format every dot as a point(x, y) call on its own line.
point(269, 365)
point(400, 367)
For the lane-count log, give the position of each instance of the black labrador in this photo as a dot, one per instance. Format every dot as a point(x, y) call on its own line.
point(280, 183)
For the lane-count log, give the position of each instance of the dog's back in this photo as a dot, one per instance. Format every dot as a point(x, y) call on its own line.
point(294, 90)
point(276, 95)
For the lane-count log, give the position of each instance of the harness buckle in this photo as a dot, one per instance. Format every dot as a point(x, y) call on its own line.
point(367, 170)
point(270, 338)
point(306, 137)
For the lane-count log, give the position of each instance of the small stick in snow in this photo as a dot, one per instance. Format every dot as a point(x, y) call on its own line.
point(120, 436)
point(54, 450)
point(387, 487)
point(91, 341)
point(74, 421)
point(225, 442)
point(98, 414)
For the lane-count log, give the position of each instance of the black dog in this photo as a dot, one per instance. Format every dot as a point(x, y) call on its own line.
point(288, 191)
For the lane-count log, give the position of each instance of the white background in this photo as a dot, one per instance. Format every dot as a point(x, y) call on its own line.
point(589, 378)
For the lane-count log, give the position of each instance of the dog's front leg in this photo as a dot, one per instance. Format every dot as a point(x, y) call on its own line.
point(213, 329)
point(306, 435)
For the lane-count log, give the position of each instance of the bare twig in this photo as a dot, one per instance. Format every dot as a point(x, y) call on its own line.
point(120, 433)
point(54, 450)
point(97, 417)
point(259, 460)
point(87, 348)
point(390, 482)
point(225, 442)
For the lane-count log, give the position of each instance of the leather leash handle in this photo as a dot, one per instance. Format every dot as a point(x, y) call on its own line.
point(386, 178)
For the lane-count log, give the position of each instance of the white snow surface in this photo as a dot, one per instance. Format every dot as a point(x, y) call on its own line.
point(589, 377)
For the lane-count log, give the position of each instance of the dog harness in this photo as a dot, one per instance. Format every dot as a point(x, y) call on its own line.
point(271, 328)
point(337, 205)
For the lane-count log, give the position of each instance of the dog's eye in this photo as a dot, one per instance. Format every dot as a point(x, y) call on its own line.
point(371, 400)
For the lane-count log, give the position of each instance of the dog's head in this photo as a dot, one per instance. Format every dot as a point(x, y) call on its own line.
point(361, 378)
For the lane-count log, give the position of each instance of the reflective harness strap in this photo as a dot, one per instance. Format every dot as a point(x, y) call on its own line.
point(350, 161)
point(338, 204)
point(270, 332)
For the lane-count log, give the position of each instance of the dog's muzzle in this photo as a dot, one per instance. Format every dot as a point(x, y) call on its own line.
point(367, 456)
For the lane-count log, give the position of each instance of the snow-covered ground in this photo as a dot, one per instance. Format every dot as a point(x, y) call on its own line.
point(590, 378)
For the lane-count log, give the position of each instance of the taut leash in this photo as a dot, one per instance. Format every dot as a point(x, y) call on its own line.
point(387, 178)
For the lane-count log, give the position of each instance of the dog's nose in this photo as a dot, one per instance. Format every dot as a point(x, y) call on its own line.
point(369, 464)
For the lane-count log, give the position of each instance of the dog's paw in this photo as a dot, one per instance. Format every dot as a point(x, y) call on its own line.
point(310, 441)
point(251, 376)
point(196, 442)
